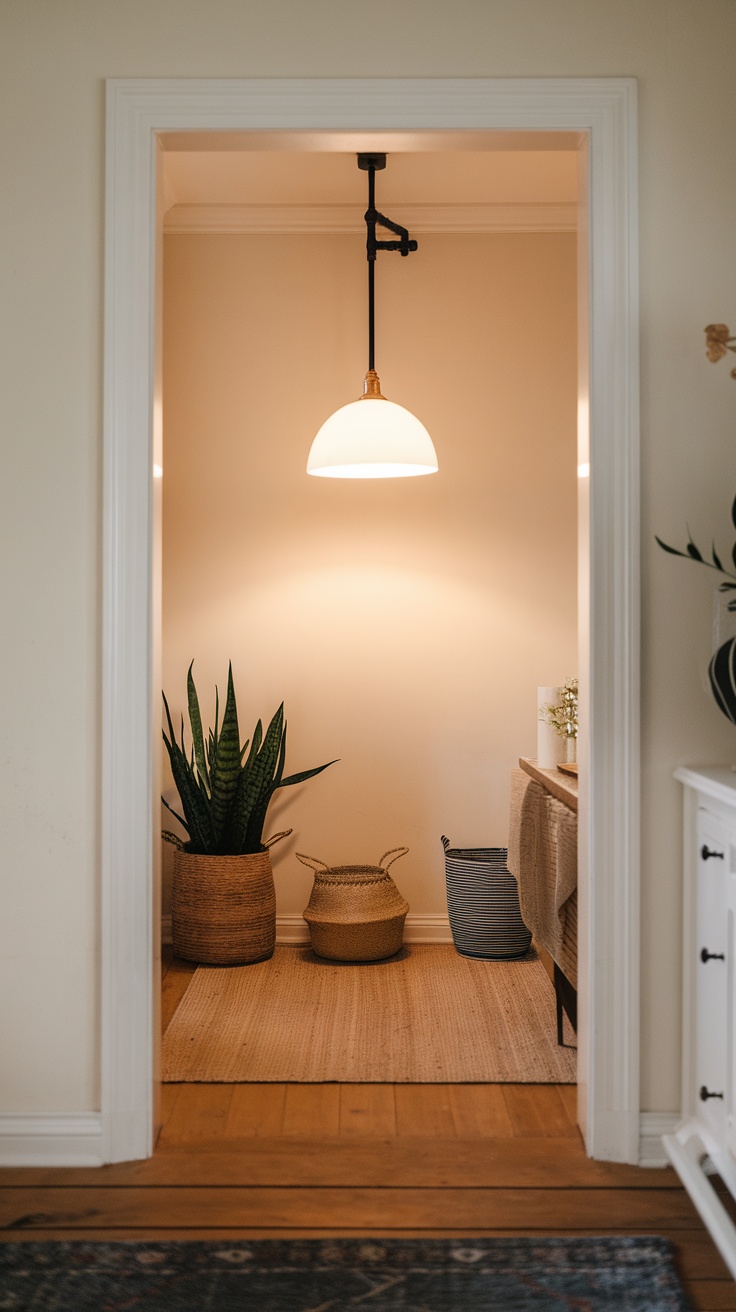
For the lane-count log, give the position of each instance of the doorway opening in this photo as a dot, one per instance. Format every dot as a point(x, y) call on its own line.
point(405, 624)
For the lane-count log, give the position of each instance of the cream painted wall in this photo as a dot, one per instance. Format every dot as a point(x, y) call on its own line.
point(406, 624)
point(54, 57)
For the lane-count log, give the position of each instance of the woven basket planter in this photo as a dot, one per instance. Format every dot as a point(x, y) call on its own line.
point(355, 913)
point(223, 908)
point(483, 904)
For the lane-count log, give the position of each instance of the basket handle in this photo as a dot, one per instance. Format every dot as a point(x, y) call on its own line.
point(445, 842)
point(399, 851)
point(276, 838)
point(312, 861)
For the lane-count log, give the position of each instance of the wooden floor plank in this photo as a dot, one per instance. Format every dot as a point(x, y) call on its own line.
point(537, 1110)
point(479, 1111)
point(712, 1295)
point(362, 1162)
point(454, 1209)
point(423, 1111)
point(169, 1096)
point(367, 1111)
point(569, 1096)
point(312, 1111)
point(256, 1111)
point(175, 983)
point(200, 1114)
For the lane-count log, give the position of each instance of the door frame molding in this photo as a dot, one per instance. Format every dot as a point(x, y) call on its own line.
point(603, 112)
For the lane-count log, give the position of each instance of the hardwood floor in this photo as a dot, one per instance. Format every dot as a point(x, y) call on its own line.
point(276, 1160)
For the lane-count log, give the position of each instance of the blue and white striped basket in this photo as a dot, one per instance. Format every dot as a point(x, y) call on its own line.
point(483, 902)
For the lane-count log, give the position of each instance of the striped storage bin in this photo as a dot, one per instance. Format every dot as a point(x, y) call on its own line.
point(483, 902)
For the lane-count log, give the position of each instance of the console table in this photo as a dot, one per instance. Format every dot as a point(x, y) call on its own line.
point(552, 919)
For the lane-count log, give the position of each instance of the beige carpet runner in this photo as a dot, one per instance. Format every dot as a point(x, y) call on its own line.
point(426, 1016)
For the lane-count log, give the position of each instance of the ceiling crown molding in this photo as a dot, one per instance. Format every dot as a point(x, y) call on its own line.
point(260, 220)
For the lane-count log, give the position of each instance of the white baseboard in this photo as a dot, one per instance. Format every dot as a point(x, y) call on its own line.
point(427, 929)
point(292, 930)
point(652, 1125)
point(42, 1139)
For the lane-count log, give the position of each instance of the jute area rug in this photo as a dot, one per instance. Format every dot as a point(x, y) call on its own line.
point(425, 1016)
point(404, 1275)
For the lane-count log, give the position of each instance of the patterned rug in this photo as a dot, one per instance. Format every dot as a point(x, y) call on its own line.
point(407, 1275)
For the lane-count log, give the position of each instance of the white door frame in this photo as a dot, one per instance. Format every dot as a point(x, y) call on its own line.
point(603, 112)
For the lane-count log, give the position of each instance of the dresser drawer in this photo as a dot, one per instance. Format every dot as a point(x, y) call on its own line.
point(713, 1046)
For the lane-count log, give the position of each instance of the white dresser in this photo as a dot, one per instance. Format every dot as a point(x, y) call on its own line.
point(706, 1137)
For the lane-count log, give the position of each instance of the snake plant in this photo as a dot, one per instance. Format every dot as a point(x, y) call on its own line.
point(224, 788)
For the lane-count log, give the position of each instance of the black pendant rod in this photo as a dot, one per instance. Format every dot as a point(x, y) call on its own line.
point(371, 269)
point(371, 163)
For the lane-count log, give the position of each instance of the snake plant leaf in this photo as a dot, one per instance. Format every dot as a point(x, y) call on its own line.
point(176, 815)
point(716, 559)
point(305, 774)
point(240, 813)
point(257, 738)
point(227, 766)
point(693, 551)
point(196, 809)
point(247, 796)
point(168, 718)
point(281, 761)
point(195, 721)
point(261, 785)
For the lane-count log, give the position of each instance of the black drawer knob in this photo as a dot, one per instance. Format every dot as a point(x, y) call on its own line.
point(705, 1094)
point(706, 853)
point(705, 955)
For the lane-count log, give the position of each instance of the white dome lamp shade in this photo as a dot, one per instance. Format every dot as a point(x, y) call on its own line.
point(380, 439)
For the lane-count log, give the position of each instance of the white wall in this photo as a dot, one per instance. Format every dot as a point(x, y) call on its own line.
point(406, 624)
point(54, 56)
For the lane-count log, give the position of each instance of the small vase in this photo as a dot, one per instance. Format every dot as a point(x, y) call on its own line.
point(550, 746)
point(571, 749)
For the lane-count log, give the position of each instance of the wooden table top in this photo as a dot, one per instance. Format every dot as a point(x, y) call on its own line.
point(562, 786)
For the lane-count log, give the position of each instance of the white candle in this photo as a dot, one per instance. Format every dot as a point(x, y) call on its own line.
point(550, 746)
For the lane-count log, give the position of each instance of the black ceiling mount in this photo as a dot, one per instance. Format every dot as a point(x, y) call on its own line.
point(372, 163)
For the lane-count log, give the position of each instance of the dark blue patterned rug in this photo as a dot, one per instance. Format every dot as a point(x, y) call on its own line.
point(335, 1275)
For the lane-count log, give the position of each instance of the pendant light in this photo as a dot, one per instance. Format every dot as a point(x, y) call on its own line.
point(373, 437)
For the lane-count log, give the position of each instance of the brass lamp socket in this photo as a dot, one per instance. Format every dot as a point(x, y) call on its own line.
point(372, 387)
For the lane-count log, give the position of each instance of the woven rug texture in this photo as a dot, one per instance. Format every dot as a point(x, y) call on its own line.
point(426, 1016)
point(426, 1275)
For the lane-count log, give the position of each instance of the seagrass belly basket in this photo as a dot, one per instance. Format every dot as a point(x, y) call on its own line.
point(355, 913)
